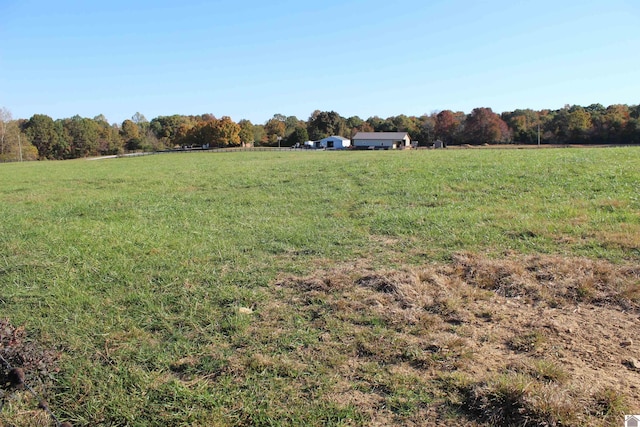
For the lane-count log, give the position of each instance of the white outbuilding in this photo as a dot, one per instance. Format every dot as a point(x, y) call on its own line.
point(381, 140)
point(334, 142)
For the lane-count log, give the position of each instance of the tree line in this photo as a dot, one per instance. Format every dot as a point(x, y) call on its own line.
point(41, 137)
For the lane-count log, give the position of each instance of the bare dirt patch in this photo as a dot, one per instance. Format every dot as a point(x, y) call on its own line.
point(537, 340)
point(25, 363)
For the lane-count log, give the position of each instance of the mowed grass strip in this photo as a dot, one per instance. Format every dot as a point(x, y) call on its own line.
point(136, 269)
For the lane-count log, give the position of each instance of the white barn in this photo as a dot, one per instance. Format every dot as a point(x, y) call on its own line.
point(333, 142)
point(381, 140)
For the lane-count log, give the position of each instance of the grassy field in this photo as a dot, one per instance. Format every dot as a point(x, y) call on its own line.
point(323, 288)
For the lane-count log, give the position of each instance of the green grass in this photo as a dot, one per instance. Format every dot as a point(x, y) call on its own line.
point(134, 268)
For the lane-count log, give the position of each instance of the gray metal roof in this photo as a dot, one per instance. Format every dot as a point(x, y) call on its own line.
point(380, 135)
point(336, 136)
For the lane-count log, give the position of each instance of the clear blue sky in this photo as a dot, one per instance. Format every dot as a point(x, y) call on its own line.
point(252, 59)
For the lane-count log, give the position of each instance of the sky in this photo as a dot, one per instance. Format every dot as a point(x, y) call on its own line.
point(252, 59)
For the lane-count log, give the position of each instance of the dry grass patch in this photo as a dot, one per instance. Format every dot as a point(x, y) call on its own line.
point(553, 279)
point(523, 340)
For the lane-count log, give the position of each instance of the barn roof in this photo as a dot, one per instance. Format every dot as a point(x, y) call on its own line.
point(336, 136)
point(380, 135)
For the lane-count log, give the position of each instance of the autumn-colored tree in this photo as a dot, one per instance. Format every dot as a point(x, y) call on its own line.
point(171, 130)
point(227, 132)
point(213, 132)
point(130, 133)
point(109, 138)
point(355, 124)
point(275, 129)
point(485, 126)
point(616, 118)
point(447, 126)
point(578, 124)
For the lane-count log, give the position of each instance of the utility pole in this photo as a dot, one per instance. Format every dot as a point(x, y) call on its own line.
point(538, 134)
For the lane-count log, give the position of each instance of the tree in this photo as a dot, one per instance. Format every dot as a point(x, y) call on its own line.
point(615, 119)
point(83, 136)
point(485, 126)
point(101, 118)
point(425, 133)
point(47, 136)
point(246, 134)
point(131, 135)
point(523, 124)
point(403, 123)
point(5, 119)
point(214, 133)
point(259, 134)
point(109, 139)
point(298, 136)
point(227, 132)
point(291, 123)
point(323, 124)
point(447, 126)
point(275, 128)
point(578, 124)
point(14, 144)
point(139, 118)
point(171, 130)
point(355, 124)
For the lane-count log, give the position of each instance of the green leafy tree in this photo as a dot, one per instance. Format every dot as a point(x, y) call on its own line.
point(425, 132)
point(524, 125)
point(47, 136)
point(259, 135)
point(326, 123)
point(246, 134)
point(291, 123)
point(298, 136)
point(83, 134)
